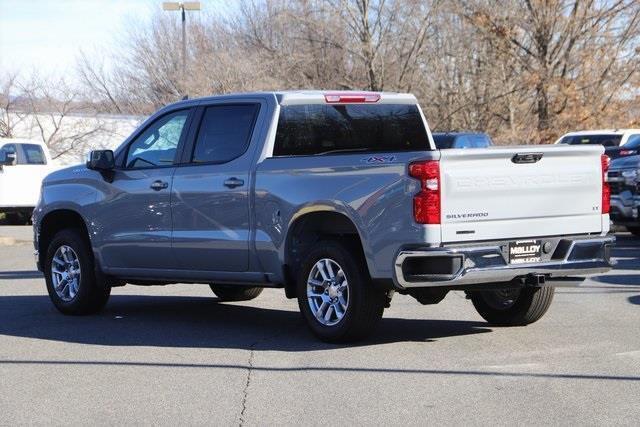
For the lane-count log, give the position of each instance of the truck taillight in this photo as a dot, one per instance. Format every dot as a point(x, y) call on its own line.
point(426, 204)
point(351, 97)
point(606, 191)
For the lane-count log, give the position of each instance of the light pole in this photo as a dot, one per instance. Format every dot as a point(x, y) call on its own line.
point(182, 7)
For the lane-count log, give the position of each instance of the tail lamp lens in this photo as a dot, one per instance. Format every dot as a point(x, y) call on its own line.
point(351, 97)
point(606, 191)
point(426, 204)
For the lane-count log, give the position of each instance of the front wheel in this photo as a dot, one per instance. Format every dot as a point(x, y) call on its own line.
point(72, 283)
point(513, 307)
point(335, 294)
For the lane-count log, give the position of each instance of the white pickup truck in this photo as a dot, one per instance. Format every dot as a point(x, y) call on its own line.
point(23, 165)
point(340, 198)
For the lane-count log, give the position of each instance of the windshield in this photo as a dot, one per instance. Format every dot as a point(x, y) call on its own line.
point(606, 140)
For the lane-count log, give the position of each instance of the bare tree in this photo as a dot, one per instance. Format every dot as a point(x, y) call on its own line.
point(60, 117)
point(10, 112)
point(98, 82)
point(489, 65)
point(563, 48)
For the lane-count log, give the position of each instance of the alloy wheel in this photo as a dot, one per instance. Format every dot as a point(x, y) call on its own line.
point(328, 292)
point(65, 273)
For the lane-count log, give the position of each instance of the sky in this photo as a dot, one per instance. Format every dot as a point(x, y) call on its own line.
point(46, 36)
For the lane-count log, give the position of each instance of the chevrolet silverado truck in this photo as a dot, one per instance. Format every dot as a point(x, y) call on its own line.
point(339, 198)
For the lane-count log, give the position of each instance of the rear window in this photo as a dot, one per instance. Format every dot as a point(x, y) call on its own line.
point(325, 129)
point(480, 141)
point(606, 140)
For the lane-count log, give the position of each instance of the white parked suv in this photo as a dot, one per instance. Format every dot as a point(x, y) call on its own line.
point(23, 165)
point(616, 142)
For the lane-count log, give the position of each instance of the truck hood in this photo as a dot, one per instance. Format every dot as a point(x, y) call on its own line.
point(70, 172)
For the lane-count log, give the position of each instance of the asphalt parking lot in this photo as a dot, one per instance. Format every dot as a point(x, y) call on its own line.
point(167, 355)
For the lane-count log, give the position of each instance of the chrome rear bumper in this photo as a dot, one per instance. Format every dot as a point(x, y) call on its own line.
point(489, 263)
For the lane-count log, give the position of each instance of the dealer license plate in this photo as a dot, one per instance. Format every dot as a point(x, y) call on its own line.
point(525, 251)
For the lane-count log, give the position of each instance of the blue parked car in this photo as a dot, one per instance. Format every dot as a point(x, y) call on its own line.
point(461, 140)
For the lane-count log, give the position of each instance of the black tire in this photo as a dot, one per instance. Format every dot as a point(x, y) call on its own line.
point(634, 230)
point(235, 293)
point(516, 307)
point(92, 293)
point(365, 303)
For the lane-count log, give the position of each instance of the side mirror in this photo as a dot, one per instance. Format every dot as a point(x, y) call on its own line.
point(7, 159)
point(101, 160)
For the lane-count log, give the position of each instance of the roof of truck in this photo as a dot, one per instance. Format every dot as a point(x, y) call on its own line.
point(322, 97)
point(292, 97)
point(21, 141)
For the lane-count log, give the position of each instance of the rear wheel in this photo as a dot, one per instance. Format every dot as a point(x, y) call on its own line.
point(235, 293)
point(634, 230)
point(72, 283)
point(335, 293)
point(513, 307)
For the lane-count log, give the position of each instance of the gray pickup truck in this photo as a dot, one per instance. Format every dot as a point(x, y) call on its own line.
point(340, 198)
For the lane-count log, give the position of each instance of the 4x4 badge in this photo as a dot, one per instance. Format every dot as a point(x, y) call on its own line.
point(379, 159)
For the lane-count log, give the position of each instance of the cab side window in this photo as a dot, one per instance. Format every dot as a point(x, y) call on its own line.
point(33, 154)
point(224, 133)
point(158, 144)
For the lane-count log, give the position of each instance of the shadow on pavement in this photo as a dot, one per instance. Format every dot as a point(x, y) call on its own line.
point(367, 371)
point(197, 322)
point(16, 275)
point(628, 264)
point(619, 279)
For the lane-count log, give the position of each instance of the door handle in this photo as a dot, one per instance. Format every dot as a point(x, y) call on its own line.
point(159, 185)
point(233, 182)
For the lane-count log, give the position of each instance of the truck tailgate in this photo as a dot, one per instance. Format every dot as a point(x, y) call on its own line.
point(488, 194)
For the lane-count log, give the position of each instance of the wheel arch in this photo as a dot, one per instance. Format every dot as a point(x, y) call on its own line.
point(53, 222)
point(309, 228)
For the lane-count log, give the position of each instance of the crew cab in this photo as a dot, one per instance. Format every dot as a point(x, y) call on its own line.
point(339, 198)
point(23, 165)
